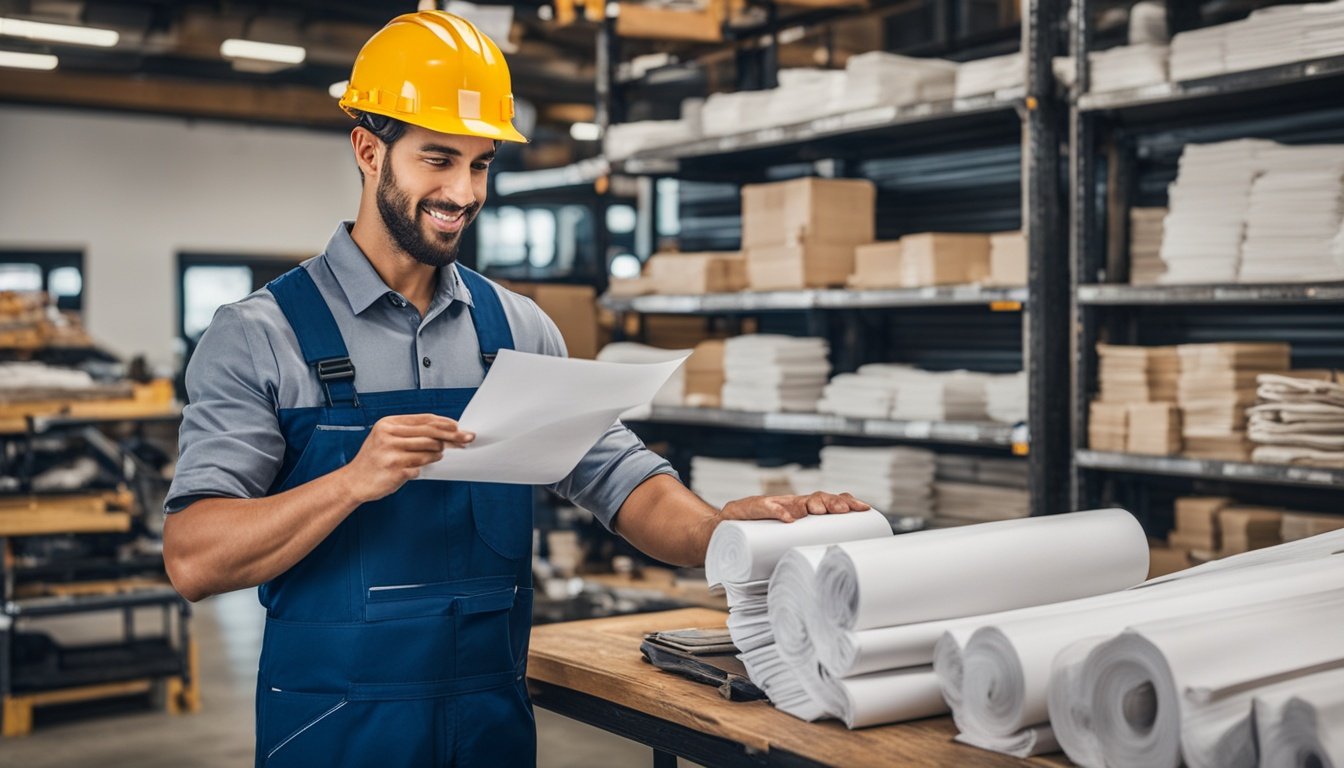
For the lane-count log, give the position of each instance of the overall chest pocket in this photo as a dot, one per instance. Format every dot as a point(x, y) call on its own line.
point(502, 514)
point(329, 447)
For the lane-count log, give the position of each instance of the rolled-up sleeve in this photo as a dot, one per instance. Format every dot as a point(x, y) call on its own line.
point(230, 442)
point(612, 468)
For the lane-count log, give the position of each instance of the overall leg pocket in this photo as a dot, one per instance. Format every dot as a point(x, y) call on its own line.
point(325, 731)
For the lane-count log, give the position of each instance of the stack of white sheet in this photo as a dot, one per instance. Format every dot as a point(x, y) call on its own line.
point(941, 396)
point(1128, 66)
point(880, 606)
point(805, 94)
point(1198, 53)
point(991, 75)
point(1284, 34)
point(997, 678)
point(1298, 421)
point(973, 489)
point(1145, 245)
point(1295, 213)
point(858, 395)
point(1180, 690)
point(889, 390)
point(1006, 398)
point(773, 373)
point(737, 112)
point(719, 481)
point(741, 557)
point(1202, 233)
point(898, 481)
point(878, 78)
point(622, 140)
point(1297, 724)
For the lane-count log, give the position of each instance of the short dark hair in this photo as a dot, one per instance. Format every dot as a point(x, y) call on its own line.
point(388, 130)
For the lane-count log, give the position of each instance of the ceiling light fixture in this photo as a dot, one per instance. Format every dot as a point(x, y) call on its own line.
point(585, 131)
point(337, 89)
point(27, 60)
point(58, 33)
point(234, 48)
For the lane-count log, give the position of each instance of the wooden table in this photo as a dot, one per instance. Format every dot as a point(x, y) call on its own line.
point(592, 671)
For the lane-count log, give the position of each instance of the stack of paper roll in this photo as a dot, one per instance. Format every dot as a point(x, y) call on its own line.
point(1298, 419)
point(719, 481)
point(773, 373)
point(898, 481)
point(741, 557)
point(881, 605)
point(1297, 724)
point(997, 677)
point(1158, 694)
point(1145, 245)
point(1202, 234)
point(990, 75)
point(1128, 66)
point(1216, 385)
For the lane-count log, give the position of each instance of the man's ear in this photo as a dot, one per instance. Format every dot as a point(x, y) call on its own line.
point(367, 148)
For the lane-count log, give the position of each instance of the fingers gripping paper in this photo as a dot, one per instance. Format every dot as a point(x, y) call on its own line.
point(535, 416)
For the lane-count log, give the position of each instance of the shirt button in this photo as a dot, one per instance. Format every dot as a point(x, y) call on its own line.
point(397, 301)
point(426, 362)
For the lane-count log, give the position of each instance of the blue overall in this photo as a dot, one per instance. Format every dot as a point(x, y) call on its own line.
point(401, 640)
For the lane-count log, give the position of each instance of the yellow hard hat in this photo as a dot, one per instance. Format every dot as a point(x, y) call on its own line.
point(437, 71)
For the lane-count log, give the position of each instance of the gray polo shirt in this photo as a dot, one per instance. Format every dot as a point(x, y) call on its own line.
point(248, 366)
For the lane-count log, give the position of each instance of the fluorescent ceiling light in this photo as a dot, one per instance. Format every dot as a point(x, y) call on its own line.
point(58, 33)
point(234, 48)
point(27, 60)
point(337, 90)
point(585, 132)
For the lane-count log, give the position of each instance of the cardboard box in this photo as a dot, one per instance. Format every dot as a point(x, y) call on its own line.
point(809, 211)
point(1108, 426)
point(1199, 513)
point(573, 309)
point(1248, 528)
point(629, 286)
point(1154, 429)
point(877, 265)
point(1192, 540)
point(1164, 560)
point(1008, 259)
point(1302, 525)
point(697, 273)
point(704, 376)
point(675, 332)
point(941, 258)
point(660, 23)
point(794, 267)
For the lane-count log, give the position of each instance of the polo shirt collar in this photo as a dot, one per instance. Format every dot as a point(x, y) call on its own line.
point(361, 283)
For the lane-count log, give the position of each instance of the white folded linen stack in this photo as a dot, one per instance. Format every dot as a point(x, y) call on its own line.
point(736, 112)
point(1006, 397)
point(990, 75)
point(858, 395)
point(1296, 210)
point(997, 677)
point(1198, 53)
point(774, 373)
point(878, 78)
point(741, 557)
point(1128, 66)
point(941, 396)
point(1297, 724)
point(881, 605)
point(898, 481)
point(804, 94)
point(1298, 418)
point(622, 140)
point(1158, 694)
point(1284, 34)
point(719, 481)
point(1202, 234)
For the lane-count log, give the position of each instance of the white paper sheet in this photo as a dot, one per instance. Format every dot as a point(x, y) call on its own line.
point(535, 416)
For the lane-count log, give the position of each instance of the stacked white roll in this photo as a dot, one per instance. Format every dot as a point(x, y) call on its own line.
point(774, 373)
point(1298, 725)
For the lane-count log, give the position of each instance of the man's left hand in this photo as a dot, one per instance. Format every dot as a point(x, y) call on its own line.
point(790, 508)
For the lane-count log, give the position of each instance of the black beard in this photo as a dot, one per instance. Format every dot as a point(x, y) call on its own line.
point(399, 216)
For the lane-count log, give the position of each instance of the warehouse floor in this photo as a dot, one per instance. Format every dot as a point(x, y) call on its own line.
point(228, 630)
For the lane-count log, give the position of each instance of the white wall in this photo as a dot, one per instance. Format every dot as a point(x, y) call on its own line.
point(132, 192)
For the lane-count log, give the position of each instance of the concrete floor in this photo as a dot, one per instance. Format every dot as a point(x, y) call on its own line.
point(228, 631)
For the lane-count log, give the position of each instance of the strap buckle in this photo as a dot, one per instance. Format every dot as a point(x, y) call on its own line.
point(488, 358)
point(335, 369)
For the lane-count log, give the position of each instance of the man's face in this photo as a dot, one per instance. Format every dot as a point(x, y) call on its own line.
point(430, 189)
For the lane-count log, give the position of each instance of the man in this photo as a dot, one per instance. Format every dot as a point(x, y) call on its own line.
point(397, 612)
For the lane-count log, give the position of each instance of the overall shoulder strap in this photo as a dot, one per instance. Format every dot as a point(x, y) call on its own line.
point(487, 314)
point(319, 337)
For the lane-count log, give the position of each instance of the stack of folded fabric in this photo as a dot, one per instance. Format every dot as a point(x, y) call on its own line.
point(878, 78)
point(990, 75)
point(1145, 245)
point(903, 392)
point(804, 94)
point(1128, 66)
point(858, 395)
point(898, 481)
point(624, 139)
point(1202, 234)
point(741, 557)
point(774, 373)
point(1284, 34)
point(1296, 210)
point(1006, 398)
point(1216, 385)
point(736, 112)
point(940, 396)
point(1299, 419)
point(719, 481)
point(975, 489)
point(1198, 54)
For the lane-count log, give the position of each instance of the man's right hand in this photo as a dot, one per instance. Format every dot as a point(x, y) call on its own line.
point(395, 451)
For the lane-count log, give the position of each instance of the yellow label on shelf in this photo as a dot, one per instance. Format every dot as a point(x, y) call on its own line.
point(1020, 449)
point(1005, 306)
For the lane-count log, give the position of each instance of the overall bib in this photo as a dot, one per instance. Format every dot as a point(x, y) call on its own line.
point(401, 640)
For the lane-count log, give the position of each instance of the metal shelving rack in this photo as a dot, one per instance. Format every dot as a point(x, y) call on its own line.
point(838, 146)
point(1116, 139)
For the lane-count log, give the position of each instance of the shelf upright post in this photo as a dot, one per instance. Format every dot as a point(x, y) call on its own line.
point(1047, 353)
point(1086, 253)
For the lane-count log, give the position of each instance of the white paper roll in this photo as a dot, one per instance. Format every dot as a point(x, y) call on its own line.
point(747, 550)
point(978, 569)
point(1006, 667)
point(791, 598)
point(1301, 725)
point(892, 696)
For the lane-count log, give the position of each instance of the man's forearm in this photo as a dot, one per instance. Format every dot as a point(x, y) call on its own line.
point(219, 545)
point(666, 521)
